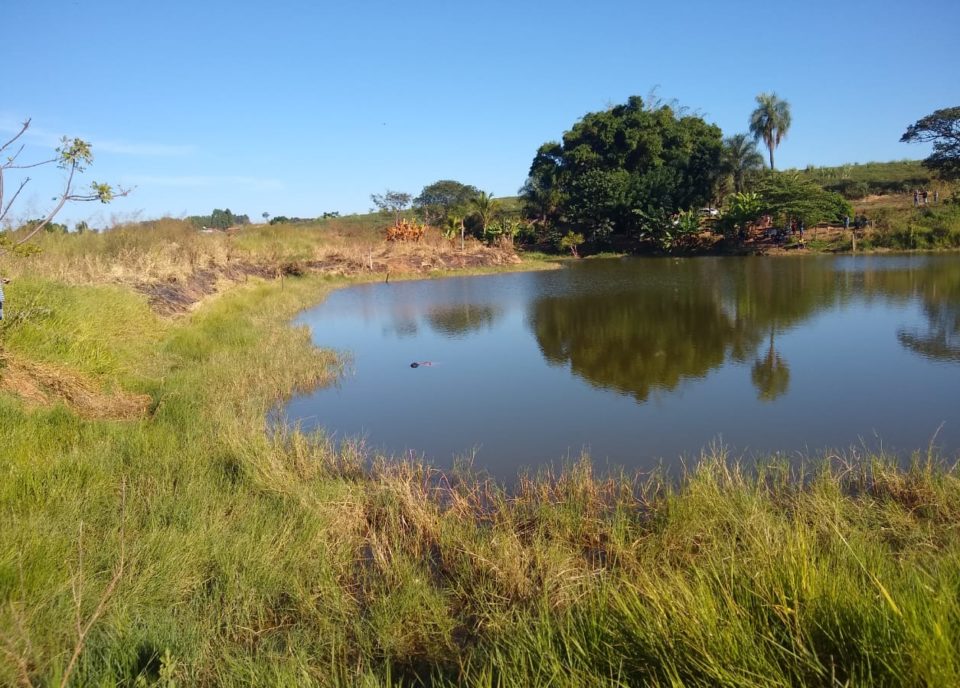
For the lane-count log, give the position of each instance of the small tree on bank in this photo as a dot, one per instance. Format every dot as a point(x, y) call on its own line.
point(485, 208)
point(392, 202)
point(73, 156)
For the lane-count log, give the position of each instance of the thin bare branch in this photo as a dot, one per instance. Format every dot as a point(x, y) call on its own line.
point(13, 157)
point(50, 216)
point(27, 167)
point(4, 211)
point(23, 128)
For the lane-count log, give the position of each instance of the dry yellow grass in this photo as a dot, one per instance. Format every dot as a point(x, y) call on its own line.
point(177, 266)
point(42, 385)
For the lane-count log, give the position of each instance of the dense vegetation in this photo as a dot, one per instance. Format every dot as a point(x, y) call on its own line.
point(623, 173)
point(182, 544)
point(905, 227)
point(638, 176)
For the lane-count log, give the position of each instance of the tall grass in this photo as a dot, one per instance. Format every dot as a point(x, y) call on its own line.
point(169, 251)
point(930, 227)
point(251, 558)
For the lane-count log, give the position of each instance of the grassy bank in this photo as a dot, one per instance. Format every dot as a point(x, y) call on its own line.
point(182, 545)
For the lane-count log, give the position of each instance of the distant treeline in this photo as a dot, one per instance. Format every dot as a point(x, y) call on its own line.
point(284, 220)
point(219, 219)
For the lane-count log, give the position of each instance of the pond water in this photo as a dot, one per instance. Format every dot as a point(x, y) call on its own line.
point(647, 361)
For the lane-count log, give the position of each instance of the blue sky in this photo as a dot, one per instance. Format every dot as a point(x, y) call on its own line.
point(297, 108)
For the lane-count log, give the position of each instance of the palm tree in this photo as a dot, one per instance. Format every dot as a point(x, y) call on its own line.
point(770, 121)
point(486, 208)
point(740, 156)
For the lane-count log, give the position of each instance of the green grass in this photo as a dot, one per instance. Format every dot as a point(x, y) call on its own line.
point(918, 228)
point(859, 179)
point(251, 559)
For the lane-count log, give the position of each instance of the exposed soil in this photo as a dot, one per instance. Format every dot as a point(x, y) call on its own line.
point(176, 296)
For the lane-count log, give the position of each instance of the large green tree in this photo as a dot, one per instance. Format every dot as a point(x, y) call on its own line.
point(788, 195)
point(541, 194)
point(623, 172)
point(942, 129)
point(439, 200)
point(770, 121)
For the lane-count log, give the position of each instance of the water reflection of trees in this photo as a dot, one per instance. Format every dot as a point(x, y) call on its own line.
point(459, 319)
point(770, 374)
point(680, 320)
point(941, 340)
point(936, 284)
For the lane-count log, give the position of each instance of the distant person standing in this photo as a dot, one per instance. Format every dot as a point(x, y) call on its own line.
point(936, 196)
point(3, 280)
point(924, 196)
point(916, 198)
point(846, 222)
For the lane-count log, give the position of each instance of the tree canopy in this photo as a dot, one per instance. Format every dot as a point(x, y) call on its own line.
point(788, 195)
point(740, 158)
point(437, 201)
point(942, 128)
point(770, 121)
point(623, 172)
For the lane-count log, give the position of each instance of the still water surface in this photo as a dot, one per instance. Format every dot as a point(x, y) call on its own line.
point(644, 361)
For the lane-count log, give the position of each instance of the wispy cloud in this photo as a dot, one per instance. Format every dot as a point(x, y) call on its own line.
point(49, 139)
point(145, 149)
point(204, 181)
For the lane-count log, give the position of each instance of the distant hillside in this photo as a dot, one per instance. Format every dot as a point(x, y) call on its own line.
point(858, 180)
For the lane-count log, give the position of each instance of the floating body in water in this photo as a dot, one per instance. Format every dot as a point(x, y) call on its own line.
point(417, 364)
